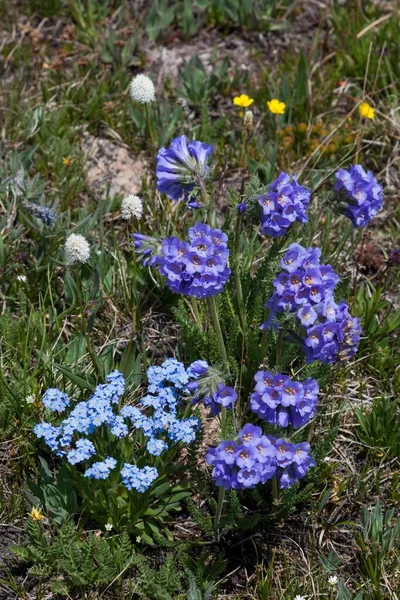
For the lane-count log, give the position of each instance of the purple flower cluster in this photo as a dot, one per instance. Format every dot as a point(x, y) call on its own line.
point(306, 288)
point(199, 267)
point(281, 401)
point(285, 202)
point(256, 458)
point(182, 167)
point(208, 387)
point(360, 194)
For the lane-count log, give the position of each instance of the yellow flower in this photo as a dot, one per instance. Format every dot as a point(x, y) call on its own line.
point(67, 161)
point(36, 515)
point(244, 101)
point(276, 107)
point(366, 110)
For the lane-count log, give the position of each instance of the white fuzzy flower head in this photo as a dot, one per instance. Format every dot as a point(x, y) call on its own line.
point(77, 249)
point(298, 597)
point(333, 580)
point(142, 89)
point(248, 119)
point(131, 206)
point(108, 526)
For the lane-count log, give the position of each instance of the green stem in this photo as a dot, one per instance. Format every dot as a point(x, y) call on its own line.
point(196, 312)
point(91, 350)
point(134, 289)
point(218, 332)
point(218, 512)
point(264, 335)
point(149, 127)
point(238, 282)
point(279, 350)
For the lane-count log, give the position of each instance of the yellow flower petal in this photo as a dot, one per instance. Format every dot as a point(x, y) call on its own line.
point(366, 110)
point(36, 515)
point(244, 101)
point(276, 106)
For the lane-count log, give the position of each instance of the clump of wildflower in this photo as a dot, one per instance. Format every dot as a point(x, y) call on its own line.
point(137, 479)
point(366, 111)
point(282, 401)
point(285, 202)
point(77, 249)
point(102, 469)
point(44, 213)
point(142, 89)
point(196, 268)
point(306, 287)
point(55, 400)
point(255, 458)
point(156, 416)
point(359, 194)
point(181, 167)
point(276, 106)
point(131, 206)
point(243, 101)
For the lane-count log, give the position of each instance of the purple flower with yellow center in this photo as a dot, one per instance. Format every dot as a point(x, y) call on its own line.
point(245, 466)
point(199, 267)
point(250, 435)
point(280, 401)
point(182, 167)
point(248, 477)
point(360, 195)
point(306, 288)
point(285, 202)
point(245, 456)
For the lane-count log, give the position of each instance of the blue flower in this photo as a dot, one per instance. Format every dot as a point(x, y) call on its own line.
point(138, 479)
point(181, 167)
point(280, 401)
point(306, 287)
point(156, 447)
point(43, 213)
point(198, 267)
point(360, 195)
point(285, 202)
point(257, 460)
point(83, 451)
point(49, 433)
point(55, 400)
point(101, 470)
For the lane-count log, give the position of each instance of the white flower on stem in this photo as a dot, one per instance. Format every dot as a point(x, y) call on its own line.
point(77, 249)
point(333, 580)
point(298, 597)
point(108, 526)
point(30, 399)
point(21, 278)
point(248, 119)
point(131, 206)
point(142, 89)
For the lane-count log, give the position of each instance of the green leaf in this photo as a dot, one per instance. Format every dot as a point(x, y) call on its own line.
point(79, 381)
